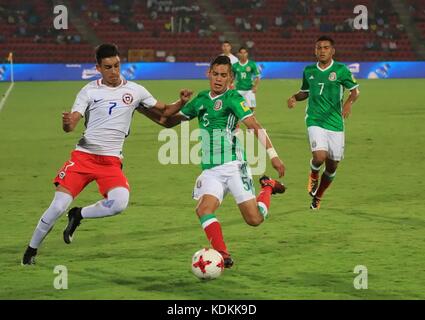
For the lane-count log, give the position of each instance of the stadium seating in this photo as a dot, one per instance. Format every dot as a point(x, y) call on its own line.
point(117, 21)
point(290, 43)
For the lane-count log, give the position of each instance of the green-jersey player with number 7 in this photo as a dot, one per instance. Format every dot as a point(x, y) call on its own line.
point(323, 84)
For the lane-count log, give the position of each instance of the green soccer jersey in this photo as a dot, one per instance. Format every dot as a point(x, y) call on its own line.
point(326, 91)
point(218, 117)
point(245, 74)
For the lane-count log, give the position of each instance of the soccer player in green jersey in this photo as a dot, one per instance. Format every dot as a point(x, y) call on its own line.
point(323, 84)
point(224, 165)
point(247, 77)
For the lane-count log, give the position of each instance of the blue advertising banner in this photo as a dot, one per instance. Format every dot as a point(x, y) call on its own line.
point(181, 71)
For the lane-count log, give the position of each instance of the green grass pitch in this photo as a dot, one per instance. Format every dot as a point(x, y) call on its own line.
point(372, 215)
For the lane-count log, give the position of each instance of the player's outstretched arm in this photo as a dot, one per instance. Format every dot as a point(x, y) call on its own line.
point(300, 96)
point(346, 109)
point(156, 116)
point(171, 109)
point(261, 134)
point(70, 120)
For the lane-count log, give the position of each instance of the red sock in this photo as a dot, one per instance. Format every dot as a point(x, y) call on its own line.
point(325, 182)
point(314, 174)
point(265, 195)
point(214, 234)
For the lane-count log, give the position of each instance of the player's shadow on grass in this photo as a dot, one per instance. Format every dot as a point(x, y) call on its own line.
point(339, 284)
point(399, 221)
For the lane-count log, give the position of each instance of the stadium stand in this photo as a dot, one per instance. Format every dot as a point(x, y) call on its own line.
point(180, 30)
point(417, 11)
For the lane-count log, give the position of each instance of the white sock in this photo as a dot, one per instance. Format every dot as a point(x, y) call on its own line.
point(116, 202)
point(60, 203)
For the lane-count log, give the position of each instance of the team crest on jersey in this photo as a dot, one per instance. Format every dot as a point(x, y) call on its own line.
point(218, 105)
point(248, 69)
point(127, 98)
point(332, 76)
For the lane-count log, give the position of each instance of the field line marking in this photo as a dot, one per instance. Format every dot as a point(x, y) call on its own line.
point(4, 98)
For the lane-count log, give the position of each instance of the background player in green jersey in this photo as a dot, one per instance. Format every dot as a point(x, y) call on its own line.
point(247, 77)
point(218, 110)
point(323, 84)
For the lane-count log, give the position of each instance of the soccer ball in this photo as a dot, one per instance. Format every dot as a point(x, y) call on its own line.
point(207, 264)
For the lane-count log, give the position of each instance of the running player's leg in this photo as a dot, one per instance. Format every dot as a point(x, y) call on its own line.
point(253, 209)
point(69, 183)
point(114, 187)
point(335, 155)
point(319, 148)
point(327, 177)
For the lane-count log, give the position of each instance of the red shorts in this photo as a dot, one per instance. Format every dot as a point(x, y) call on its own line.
point(84, 167)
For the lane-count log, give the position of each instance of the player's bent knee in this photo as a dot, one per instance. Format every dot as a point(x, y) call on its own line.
point(254, 221)
point(119, 206)
point(201, 210)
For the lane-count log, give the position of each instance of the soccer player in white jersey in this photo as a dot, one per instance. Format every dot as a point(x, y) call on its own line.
point(226, 47)
point(107, 105)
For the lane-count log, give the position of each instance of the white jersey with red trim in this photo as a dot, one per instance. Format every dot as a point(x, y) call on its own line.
point(108, 112)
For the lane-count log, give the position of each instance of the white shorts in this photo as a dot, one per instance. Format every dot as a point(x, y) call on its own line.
point(249, 97)
point(327, 140)
point(233, 176)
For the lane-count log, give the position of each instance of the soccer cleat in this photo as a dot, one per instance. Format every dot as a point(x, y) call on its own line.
point(277, 187)
point(29, 257)
point(228, 262)
point(315, 203)
point(313, 185)
point(74, 219)
point(227, 259)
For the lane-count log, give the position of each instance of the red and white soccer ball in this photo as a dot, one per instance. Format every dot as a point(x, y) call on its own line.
point(207, 264)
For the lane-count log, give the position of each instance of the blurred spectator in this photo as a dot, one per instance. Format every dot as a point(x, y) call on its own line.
point(115, 19)
point(140, 26)
point(170, 57)
point(392, 45)
point(37, 39)
point(384, 45)
point(247, 25)
point(278, 21)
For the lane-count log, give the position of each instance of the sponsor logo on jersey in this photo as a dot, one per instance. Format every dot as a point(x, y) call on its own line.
point(62, 174)
point(311, 77)
point(332, 76)
point(314, 144)
point(244, 106)
point(127, 98)
point(218, 105)
point(199, 184)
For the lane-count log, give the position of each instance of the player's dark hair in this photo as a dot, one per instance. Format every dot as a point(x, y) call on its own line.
point(225, 41)
point(106, 50)
point(221, 60)
point(243, 48)
point(326, 38)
